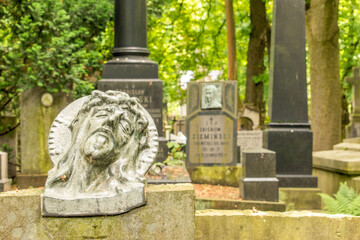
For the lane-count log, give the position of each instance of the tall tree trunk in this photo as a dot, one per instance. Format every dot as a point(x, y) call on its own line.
point(255, 56)
point(323, 34)
point(231, 43)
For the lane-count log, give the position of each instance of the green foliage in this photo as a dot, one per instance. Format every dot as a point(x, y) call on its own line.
point(8, 150)
point(349, 40)
point(191, 35)
point(177, 155)
point(60, 45)
point(50, 44)
point(346, 201)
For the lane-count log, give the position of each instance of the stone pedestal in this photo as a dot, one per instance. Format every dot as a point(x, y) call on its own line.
point(335, 166)
point(168, 214)
point(4, 181)
point(258, 180)
point(101, 206)
point(37, 113)
point(293, 146)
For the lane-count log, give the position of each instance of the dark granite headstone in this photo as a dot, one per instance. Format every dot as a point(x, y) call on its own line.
point(131, 71)
point(211, 123)
point(353, 129)
point(258, 180)
point(289, 133)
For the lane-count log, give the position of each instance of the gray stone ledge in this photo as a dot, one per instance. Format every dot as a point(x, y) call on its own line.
point(347, 146)
point(347, 162)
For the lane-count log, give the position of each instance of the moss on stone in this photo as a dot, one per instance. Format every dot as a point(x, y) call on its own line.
point(247, 225)
point(223, 175)
point(301, 198)
point(168, 214)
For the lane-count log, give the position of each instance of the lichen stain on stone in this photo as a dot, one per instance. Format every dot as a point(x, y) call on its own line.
point(11, 218)
point(17, 233)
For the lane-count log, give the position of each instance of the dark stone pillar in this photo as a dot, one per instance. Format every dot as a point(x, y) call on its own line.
point(289, 133)
point(131, 70)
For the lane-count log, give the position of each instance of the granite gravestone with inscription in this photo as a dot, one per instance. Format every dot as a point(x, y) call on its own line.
point(211, 123)
point(101, 147)
point(247, 140)
point(130, 70)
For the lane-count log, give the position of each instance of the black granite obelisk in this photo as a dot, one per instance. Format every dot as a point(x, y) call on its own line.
point(288, 132)
point(131, 70)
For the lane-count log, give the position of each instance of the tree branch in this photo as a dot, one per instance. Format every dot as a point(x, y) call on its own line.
point(10, 129)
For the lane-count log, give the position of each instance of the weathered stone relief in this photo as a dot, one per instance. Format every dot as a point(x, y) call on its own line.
point(101, 147)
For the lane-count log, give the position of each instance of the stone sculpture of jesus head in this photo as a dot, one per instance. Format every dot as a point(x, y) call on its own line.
point(109, 143)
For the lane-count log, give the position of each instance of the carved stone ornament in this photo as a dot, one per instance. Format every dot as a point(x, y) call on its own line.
point(101, 147)
point(211, 96)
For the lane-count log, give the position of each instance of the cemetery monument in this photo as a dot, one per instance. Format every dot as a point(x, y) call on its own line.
point(211, 123)
point(288, 132)
point(258, 180)
point(101, 147)
point(131, 70)
point(38, 109)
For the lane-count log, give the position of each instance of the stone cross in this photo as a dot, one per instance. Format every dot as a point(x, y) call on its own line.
point(355, 81)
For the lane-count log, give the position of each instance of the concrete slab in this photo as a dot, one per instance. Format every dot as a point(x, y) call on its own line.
point(347, 146)
point(209, 203)
point(295, 225)
point(168, 214)
point(347, 162)
point(300, 198)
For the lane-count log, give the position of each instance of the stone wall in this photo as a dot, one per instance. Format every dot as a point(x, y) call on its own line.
point(169, 214)
point(246, 225)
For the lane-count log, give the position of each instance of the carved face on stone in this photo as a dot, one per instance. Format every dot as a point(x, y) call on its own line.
point(210, 92)
point(211, 96)
point(105, 127)
point(102, 146)
point(109, 128)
